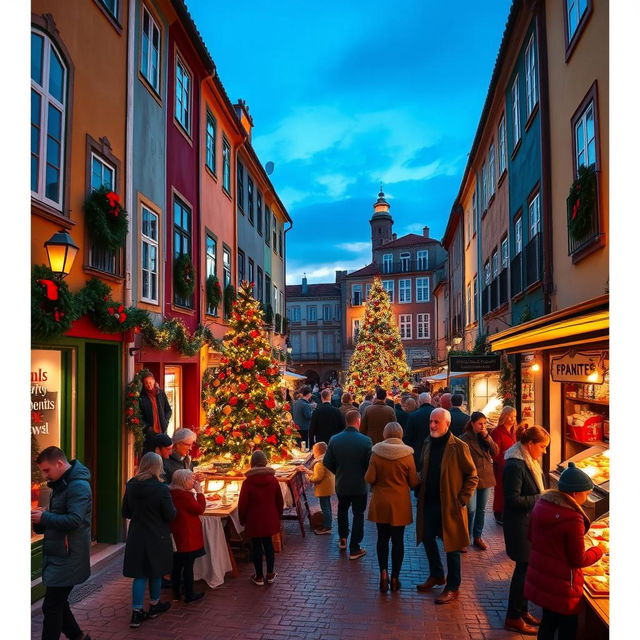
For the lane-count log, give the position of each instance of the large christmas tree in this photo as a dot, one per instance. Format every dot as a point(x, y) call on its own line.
point(379, 358)
point(246, 408)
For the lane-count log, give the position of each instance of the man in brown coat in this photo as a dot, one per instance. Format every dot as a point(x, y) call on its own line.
point(448, 479)
point(376, 417)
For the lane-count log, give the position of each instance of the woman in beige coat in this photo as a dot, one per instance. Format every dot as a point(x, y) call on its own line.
point(392, 474)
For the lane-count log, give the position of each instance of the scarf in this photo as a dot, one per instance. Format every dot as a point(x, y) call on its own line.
point(520, 452)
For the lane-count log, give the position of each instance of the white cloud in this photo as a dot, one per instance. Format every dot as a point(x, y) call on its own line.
point(336, 184)
point(322, 271)
point(355, 247)
point(291, 196)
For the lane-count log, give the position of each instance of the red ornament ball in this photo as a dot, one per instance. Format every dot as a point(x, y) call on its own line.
point(219, 439)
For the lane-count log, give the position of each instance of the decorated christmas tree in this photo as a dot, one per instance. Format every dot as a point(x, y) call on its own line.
point(379, 358)
point(246, 410)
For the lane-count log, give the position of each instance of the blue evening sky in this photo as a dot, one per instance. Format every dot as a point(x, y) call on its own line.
point(346, 95)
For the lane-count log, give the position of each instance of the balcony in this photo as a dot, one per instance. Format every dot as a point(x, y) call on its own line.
point(533, 261)
point(516, 275)
point(403, 266)
point(593, 231)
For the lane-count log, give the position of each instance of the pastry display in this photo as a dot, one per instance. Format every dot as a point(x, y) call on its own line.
point(596, 577)
point(596, 467)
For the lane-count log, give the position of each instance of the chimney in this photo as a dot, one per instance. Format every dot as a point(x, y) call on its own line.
point(242, 111)
point(305, 286)
point(394, 236)
point(340, 275)
point(425, 232)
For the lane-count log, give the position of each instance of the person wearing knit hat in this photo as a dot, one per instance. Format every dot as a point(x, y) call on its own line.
point(554, 577)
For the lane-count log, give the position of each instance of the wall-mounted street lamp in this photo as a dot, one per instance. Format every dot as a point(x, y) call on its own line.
point(456, 340)
point(61, 252)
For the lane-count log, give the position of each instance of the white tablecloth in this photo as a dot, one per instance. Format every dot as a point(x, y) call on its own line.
point(212, 567)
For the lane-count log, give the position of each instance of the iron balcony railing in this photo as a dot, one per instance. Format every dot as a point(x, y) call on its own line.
point(314, 355)
point(403, 266)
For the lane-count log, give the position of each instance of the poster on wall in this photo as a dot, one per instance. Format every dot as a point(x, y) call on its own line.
point(46, 383)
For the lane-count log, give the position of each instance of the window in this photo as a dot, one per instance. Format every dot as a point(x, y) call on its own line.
point(422, 289)
point(475, 211)
point(240, 185)
point(267, 225)
point(337, 313)
point(530, 76)
point(259, 211)
point(492, 169)
point(502, 147)
point(518, 234)
point(404, 290)
point(496, 263)
point(585, 136)
point(181, 240)
point(211, 142)
point(183, 96)
point(275, 299)
point(267, 289)
point(534, 216)
point(424, 325)
point(326, 312)
point(387, 263)
point(367, 289)
point(149, 255)
point(280, 241)
point(226, 266)
point(210, 265)
point(295, 343)
point(150, 50)
point(226, 165)
point(405, 261)
point(469, 310)
point(241, 263)
point(405, 326)
point(48, 120)
point(475, 296)
point(103, 175)
point(250, 198)
point(312, 313)
point(515, 110)
point(356, 295)
point(252, 276)
point(356, 330)
point(312, 343)
point(111, 6)
point(327, 343)
point(294, 314)
point(275, 233)
point(260, 285)
point(575, 11)
point(487, 274)
point(422, 258)
point(485, 187)
point(387, 285)
point(504, 250)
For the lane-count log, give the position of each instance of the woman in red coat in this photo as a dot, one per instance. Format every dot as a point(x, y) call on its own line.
point(187, 531)
point(260, 509)
point(554, 576)
point(504, 435)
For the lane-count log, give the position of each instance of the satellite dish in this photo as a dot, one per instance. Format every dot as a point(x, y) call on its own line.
point(269, 167)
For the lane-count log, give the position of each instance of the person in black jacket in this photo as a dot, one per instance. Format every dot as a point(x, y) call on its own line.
point(417, 428)
point(148, 552)
point(155, 410)
point(459, 419)
point(326, 420)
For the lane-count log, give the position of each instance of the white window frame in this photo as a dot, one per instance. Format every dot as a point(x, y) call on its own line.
point(475, 211)
point(295, 314)
point(504, 253)
point(422, 259)
point(47, 99)
point(226, 165)
point(114, 12)
point(583, 139)
point(355, 329)
point(405, 261)
point(327, 340)
point(179, 92)
point(296, 343)
point(367, 290)
point(153, 243)
point(487, 273)
point(326, 312)
point(495, 262)
point(531, 82)
point(312, 338)
point(210, 142)
point(405, 325)
point(356, 288)
point(518, 235)
point(492, 169)
point(423, 326)
point(475, 297)
point(423, 289)
point(534, 216)
point(404, 291)
point(502, 147)
point(105, 165)
point(154, 82)
point(387, 263)
point(387, 285)
point(312, 313)
point(485, 189)
point(515, 110)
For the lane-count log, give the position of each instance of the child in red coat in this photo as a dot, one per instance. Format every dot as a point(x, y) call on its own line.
point(187, 531)
point(260, 509)
point(554, 576)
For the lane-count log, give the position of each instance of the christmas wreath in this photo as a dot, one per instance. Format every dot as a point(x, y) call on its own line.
point(132, 416)
point(582, 203)
point(106, 218)
point(214, 291)
point(52, 304)
point(184, 278)
point(229, 299)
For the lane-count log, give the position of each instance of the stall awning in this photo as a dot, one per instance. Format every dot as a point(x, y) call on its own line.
point(438, 377)
point(293, 376)
point(586, 322)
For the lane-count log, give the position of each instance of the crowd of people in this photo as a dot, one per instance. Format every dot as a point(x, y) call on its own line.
point(377, 454)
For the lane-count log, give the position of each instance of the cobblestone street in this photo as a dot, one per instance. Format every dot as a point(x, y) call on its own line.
point(319, 594)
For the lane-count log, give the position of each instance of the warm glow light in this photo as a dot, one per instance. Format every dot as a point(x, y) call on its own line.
point(214, 485)
point(606, 453)
point(593, 377)
point(535, 367)
point(590, 471)
point(61, 252)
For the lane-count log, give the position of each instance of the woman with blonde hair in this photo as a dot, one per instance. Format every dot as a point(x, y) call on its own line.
point(504, 435)
point(148, 552)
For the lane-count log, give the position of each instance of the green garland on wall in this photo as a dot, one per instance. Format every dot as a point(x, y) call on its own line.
point(52, 304)
point(132, 415)
point(506, 385)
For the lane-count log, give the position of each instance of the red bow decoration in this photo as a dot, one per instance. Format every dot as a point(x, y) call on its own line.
point(114, 203)
point(58, 315)
point(51, 289)
point(574, 210)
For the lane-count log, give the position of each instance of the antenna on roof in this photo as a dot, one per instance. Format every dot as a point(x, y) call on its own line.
point(269, 167)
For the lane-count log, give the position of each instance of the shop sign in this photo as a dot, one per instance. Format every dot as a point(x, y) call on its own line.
point(46, 379)
point(474, 363)
point(587, 367)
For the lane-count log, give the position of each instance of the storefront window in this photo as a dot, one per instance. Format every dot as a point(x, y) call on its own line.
point(173, 389)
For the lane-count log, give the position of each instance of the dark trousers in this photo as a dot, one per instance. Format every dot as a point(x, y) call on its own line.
point(518, 604)
point(358, 504)
point(303, 437)
point(433, 529)
point(57, 615)
point(182, 572)
point(387, 533)
point(567, 626)
point(258, 547)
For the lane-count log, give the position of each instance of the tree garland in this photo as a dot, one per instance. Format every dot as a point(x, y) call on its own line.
point(229, 299)
point(173, 333)
point(106, 219)
point(132, 415)
point(214, 291)
point(52, 304)
point(582, 202)
point(184, 277)
point(506, 386)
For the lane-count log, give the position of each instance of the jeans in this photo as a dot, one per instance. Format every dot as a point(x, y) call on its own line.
point(388, 533)
point(358, 504)
point(257, 547)
point(518, 605)
point(57, 615)
point(325, 507)
point(433, 528)
point(476, 508)
point(138, 587)
point(183, 572)
point(567, 626)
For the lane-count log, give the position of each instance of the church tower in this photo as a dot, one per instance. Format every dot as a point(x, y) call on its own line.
point(381, 222)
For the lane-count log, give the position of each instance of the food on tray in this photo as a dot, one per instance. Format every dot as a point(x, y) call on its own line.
point(596, 467)
point(594, 570)
point(599, 585)
point(214, 497)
